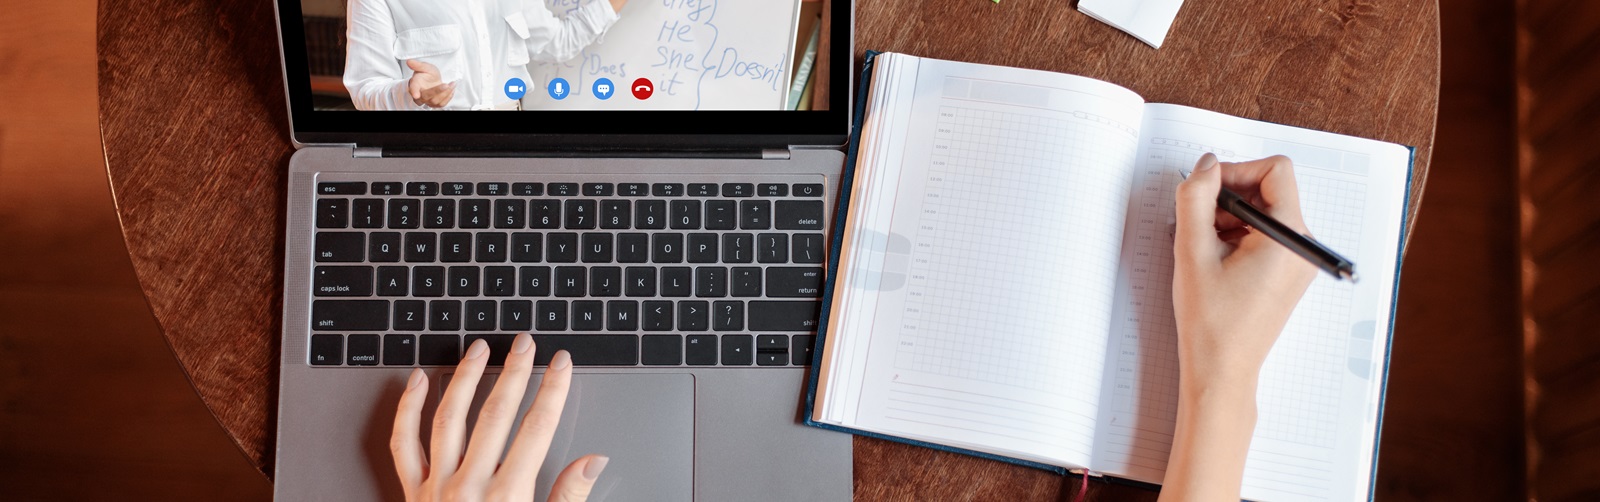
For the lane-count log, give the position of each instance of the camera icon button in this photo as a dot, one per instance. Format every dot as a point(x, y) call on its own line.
point(516, 88)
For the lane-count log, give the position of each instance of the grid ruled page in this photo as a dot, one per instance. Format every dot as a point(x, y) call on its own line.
point(982, 305)
point(1006, 228)
point(1318, 390)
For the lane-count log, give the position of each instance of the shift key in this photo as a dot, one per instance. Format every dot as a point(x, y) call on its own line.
point(350, 315)
point(783, 316)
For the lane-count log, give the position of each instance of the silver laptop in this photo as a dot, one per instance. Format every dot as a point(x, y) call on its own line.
point(647, 187)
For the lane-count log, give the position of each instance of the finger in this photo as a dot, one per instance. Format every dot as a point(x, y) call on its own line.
point(439, 95)
point(448, 92)
point(1233, 235)
point(405, 441)
point(449, 421)
point(1227, 221)
point(499, 410)
point(1268, 182)
point(539, 425)
point(429, 93)
point(1196, 236)
point(577, 480)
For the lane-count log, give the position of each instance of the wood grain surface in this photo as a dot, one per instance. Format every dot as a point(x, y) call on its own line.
point(196, 136)
point(196, 142)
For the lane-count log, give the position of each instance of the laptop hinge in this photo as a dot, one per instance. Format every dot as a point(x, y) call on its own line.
point(572, 152)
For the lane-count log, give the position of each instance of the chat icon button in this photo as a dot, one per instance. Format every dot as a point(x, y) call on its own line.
point(603, 88)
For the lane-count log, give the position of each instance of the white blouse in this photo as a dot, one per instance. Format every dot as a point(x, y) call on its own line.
point(480, 44)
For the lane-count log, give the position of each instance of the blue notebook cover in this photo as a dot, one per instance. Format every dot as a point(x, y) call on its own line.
point(847, 179)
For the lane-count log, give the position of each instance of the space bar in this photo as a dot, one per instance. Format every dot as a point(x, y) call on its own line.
point(588, 350)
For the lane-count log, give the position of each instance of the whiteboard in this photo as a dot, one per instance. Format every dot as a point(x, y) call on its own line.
point(700, 54)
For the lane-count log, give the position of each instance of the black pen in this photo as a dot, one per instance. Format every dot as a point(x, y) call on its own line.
point(1301, 244)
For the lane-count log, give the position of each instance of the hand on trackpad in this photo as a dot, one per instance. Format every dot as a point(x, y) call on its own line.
point(644, 422)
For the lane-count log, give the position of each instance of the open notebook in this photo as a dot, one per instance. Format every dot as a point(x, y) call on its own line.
point(1002, 273)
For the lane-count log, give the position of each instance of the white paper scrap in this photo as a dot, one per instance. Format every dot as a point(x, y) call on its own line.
point(1146, 20)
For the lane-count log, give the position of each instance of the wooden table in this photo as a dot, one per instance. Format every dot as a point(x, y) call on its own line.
point(195, 132)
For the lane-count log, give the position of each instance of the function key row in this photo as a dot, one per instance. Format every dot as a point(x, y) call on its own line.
point(500, 189)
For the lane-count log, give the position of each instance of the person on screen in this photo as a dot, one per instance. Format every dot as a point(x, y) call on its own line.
point(443, 54)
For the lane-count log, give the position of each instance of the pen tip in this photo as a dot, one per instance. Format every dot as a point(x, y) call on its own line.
point(1349, 275)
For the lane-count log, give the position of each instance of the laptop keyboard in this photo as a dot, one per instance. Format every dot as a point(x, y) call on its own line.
point(408, 273)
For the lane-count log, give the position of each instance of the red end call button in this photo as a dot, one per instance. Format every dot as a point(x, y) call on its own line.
point(642, 88)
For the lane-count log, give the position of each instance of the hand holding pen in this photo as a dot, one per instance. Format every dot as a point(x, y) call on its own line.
point(1296, 239)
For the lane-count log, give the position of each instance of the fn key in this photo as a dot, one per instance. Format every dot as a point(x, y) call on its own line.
point(327, 350)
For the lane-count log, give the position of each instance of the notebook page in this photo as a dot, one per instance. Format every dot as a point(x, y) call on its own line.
point(996, 223)
point(887, 110)
point(1320, 387)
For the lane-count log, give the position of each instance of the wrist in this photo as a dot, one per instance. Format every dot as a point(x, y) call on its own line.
point(1218, 377)
point(1228, 389)
point(1222, 360)
point(1219, 405)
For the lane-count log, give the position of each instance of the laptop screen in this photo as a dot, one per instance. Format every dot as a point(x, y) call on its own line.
point(579, 67)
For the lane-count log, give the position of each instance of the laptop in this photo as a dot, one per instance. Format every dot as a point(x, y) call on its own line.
point(648, 188)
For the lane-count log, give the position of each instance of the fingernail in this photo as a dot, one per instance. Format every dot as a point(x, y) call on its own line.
point(592, 471)
point(416, 378)
point(477, 349)
point(561, 361)
point(521, 344)
point(1207, 162)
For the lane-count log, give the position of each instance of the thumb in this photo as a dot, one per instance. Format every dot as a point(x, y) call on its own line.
point(1196, 235)
point(421, 67)
point(575, 482)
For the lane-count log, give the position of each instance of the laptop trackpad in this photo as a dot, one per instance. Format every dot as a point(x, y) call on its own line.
point(644, 422)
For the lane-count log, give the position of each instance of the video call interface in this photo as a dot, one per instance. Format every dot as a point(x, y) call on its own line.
point(507, 55)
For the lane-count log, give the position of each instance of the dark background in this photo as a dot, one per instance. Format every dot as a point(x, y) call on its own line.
point(93, 405)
